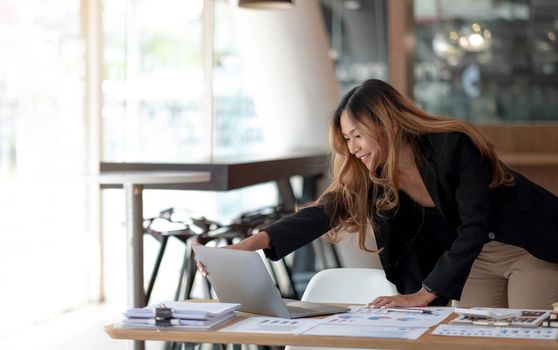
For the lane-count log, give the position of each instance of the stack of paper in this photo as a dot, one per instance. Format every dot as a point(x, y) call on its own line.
point(180, 315)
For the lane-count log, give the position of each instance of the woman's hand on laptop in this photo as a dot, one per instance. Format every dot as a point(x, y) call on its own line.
point(258, 241)
point(199, 264)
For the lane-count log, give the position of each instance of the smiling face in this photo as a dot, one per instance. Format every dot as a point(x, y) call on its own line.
point(361, 146)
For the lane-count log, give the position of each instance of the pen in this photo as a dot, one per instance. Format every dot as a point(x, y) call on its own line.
point(414, 311)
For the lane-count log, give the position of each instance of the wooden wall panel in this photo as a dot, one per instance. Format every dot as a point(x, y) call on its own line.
point(530, 149)
point(537, 138)
point(401, 45)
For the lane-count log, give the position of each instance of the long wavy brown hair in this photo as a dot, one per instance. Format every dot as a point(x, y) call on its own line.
point(380, 112)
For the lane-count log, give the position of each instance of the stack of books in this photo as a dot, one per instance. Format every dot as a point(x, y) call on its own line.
point(552, 320)
point(180, 315)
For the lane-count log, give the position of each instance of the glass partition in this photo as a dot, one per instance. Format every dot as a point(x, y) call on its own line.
point(358, 39)
point(487, 61)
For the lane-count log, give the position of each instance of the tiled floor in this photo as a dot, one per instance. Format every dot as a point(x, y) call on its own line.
point(80, 330)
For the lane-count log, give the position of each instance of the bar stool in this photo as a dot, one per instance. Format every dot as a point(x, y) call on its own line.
point(244, 226)
point(262, 218)
point(203, 231)
point(162, 236)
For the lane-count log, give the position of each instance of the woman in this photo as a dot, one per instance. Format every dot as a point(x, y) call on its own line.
point(450, 220)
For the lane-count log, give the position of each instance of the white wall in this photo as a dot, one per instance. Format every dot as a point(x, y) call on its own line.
point(294, 87)
point(291, 76)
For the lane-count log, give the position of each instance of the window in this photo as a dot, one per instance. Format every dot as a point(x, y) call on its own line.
point(43, 155)
point(238, 127)
point(155, 111)
point(154, 84)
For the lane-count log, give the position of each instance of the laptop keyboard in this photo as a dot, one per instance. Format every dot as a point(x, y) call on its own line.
point(296, 310)
point(301, 309)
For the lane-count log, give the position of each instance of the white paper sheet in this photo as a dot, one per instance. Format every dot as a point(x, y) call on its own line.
point(386, 317)
point(184, 309)
point(271, 325)
point(496, 332)
point(178, 323)
point(368, 331)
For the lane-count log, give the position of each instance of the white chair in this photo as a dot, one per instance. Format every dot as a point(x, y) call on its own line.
point(346, 286)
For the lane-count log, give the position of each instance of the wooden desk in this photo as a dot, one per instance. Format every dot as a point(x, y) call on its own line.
point(425, 342)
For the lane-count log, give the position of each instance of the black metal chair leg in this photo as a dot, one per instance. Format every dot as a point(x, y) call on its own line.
point(290, 278)
point(207, 289)
point(162, 247)
point(191, 271)
point(274, 274)
point(182, 276)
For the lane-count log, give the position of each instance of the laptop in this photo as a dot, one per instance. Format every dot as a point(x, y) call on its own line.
point(240, 276)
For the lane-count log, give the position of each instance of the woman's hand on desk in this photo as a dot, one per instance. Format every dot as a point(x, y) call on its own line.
point(258, 241)
point(420, 298)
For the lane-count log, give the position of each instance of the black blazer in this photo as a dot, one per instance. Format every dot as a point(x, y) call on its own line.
point(457, 178)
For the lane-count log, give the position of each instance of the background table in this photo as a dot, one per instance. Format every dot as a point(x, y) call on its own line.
point(218, 175)
point(236, 172)
point(133, 183)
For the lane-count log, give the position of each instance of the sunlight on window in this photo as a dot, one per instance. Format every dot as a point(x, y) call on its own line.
point(153, 113)
point(45, 263)
point(238, 127)
point(153, 84)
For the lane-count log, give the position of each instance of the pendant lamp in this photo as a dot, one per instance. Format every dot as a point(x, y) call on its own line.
point(266, 4)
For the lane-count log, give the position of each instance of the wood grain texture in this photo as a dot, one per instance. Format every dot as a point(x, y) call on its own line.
point(425, 342)
point(531, 149)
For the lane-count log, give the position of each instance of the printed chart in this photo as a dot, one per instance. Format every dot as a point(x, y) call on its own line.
point(496, 332)
point(391, 317)
point(271, 325)
point(353, 330)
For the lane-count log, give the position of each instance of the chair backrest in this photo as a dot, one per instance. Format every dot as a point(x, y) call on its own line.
point(348, 285)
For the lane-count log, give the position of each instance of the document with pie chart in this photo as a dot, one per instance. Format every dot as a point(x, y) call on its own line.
point(364, 316)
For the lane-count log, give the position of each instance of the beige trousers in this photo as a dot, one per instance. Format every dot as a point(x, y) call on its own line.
point(508, 276)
